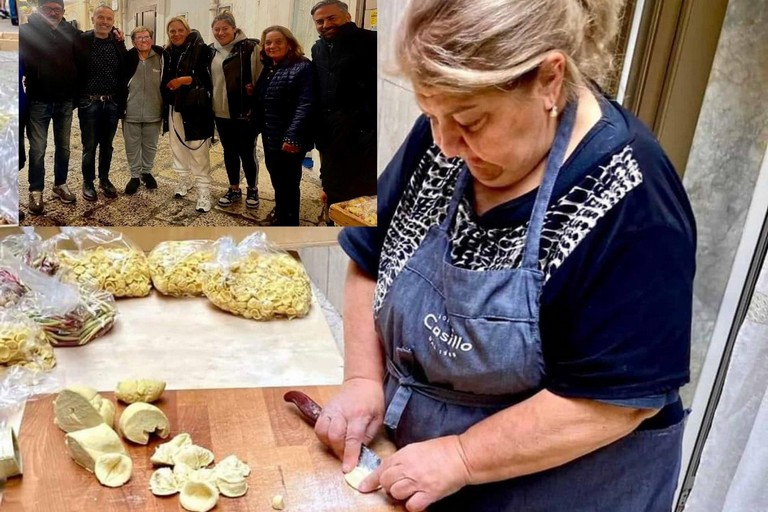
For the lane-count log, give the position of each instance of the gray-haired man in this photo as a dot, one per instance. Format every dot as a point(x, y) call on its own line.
point(344, 59)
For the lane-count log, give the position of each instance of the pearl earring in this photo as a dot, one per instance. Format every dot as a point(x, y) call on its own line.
point(553, 111)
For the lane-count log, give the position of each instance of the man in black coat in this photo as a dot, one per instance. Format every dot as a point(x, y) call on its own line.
point(101, 68)
point(344, 60)
point(46, 51)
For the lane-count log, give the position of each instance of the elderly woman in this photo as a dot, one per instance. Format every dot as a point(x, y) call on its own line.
point(235, 67)
point(186, 86)
point(282, 114)
point(520, 320)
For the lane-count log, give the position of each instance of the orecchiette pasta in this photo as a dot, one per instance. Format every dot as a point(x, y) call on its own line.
point(120, 271)
point(24, 345)
point(260, 286)
point(364, 208)
point(177, 267)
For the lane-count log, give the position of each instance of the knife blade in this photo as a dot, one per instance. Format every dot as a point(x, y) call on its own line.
point(310, 410)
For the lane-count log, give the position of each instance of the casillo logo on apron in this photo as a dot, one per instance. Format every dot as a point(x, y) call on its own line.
point(463, 344)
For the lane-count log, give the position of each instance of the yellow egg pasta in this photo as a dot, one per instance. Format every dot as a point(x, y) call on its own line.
point(260, 286)
point(24, 345)
point(363, 208)
point(177, 268)
point(121, 271)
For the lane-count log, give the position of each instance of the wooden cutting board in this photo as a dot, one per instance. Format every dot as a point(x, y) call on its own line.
point(254, 424)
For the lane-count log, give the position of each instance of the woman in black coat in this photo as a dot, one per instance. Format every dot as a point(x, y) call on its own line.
point(282, 114)
point(186, 86)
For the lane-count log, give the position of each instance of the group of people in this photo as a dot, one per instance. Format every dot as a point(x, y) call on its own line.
point(238, 86)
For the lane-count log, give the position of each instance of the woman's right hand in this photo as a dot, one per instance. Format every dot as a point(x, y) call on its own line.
point(352, 418)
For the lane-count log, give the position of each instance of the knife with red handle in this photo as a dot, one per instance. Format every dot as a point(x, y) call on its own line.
point(311, 410)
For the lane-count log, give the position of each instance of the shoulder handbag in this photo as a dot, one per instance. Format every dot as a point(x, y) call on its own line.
point(197, 98)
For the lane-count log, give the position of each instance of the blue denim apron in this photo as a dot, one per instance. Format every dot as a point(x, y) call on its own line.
point(462, 344)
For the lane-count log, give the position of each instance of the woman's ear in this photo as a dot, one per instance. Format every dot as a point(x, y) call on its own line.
point(550, 79)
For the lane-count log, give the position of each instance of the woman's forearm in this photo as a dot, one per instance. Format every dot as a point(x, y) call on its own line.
point(363, 354)
point(543, 432)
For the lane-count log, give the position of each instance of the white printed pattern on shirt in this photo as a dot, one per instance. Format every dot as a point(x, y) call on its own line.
point(425, 203)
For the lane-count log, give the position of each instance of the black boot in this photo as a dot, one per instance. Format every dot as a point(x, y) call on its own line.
point(132, 186)
point(149, 180)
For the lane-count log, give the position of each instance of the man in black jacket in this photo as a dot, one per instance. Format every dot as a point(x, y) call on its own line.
point(100, 60)
point(344, 60)
point(46, 50)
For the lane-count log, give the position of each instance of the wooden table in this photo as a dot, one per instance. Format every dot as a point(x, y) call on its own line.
point(254, 424)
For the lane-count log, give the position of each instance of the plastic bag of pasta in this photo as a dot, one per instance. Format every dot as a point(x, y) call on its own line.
point(257, 280)
point(9, 203)
point(27, 288)
point(9, 144)
point(92, 317)
point(23, 343)
point(104, 258)
point(69, 314)
point(11, 287)
point(177, 267)
point(28, 246)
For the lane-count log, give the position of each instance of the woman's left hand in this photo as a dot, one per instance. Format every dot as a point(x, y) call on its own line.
point(119, 35)
point(178, 82)
point(421, 473)
point(290, 148)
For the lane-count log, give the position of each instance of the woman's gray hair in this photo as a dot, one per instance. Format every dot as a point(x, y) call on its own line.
point(463, 47)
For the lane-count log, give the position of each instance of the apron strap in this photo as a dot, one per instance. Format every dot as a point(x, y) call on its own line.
point(543, 196)
point(407, 384)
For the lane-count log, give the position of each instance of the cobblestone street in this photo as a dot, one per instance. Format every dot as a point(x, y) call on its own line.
point(159, 207)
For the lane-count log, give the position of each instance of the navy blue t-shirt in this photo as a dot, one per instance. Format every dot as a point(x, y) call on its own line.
point(617, 250)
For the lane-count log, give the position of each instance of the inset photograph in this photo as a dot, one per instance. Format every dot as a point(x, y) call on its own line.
point(198, 113)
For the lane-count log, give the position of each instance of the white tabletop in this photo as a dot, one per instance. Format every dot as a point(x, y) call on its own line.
point(191, 344)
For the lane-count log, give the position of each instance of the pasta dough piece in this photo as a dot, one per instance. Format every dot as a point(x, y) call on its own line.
point(164, 453)
point(184, 473)
point(163, 482)
point(141, 419)
point(198, 496)
point(232, 463)
point(139, 390)
point(79, 407)
point(355, 477)
point(193, 456)
point(87, 445)
point(10, 457)
point(278, 503)
point(231, 483)
point(113, 469)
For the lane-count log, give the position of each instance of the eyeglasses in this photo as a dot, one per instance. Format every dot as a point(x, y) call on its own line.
point(142, 38)
point(52, 10)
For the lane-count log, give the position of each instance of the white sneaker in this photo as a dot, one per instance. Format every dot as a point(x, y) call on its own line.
point(203, 202)
point(183, 186)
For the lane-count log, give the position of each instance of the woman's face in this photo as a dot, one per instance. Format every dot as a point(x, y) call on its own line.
point(502, 136)
point(223, 32)
point(178, 33)
point(276, 46)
